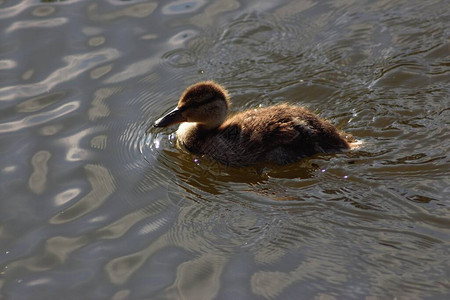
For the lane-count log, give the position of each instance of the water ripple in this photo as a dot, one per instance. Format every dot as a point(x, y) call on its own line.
point(76, 65)
point(133, 70)
point(40, 118)
point(48, 23)
point(138, 10)
point(16, 9)
point(182, 7)
point(6, 64)
point(103, 185)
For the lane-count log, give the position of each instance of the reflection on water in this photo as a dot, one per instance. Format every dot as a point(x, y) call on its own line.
point(96, 204)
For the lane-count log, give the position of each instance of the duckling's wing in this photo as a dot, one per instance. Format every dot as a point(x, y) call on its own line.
point(267, 128)
point(280, 134)
point(283, 132)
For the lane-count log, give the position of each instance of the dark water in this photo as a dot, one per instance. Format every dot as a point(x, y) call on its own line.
point(92, 207)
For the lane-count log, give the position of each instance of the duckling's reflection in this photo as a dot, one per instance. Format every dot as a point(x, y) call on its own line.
point(202, 179)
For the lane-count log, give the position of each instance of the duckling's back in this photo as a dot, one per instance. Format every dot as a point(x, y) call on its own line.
point(279, 134)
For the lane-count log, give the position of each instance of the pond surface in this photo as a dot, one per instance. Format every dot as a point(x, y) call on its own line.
point(95, 206)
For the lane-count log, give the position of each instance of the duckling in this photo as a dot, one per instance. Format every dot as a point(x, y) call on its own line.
point(279, 134)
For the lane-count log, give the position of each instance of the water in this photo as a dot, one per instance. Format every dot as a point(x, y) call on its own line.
point(94, 206)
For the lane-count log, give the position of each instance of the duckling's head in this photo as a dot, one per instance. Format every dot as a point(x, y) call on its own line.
point(205, 103)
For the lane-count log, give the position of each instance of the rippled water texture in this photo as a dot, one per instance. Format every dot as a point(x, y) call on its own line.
point(93, 205)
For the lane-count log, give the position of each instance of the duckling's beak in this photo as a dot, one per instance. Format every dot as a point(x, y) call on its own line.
point(174, 117)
